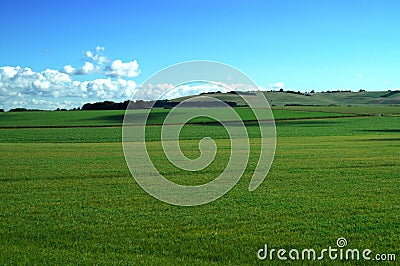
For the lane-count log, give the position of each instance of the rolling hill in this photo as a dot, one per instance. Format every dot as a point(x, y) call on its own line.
point(278, 98)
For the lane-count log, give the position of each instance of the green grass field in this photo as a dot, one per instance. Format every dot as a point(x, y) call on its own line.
point(115, 117)
point(67, 196)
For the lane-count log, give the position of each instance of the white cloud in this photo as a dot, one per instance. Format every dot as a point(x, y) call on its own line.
point(87, 68)
point(97, 63)
point(68, 69)
point(107, 89)
point(120, 69)
point(22, 87)
point(18, 80)
point(55, 76)
point(150, 92)
point(278, 85)
point(41, 84)
point(99, 49)
point(9, 72)
point(97, 56)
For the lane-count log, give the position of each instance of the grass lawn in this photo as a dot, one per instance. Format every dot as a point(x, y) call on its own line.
point(67, 196)
point(112, 118)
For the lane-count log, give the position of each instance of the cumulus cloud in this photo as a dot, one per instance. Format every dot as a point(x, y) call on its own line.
point(87, 68)
point(98, 63)
point(68, 69)
point(22, 87)
point(95, 61)
point(52, 83)
point(106, 88)
point(97, 56)
point(18, 80)
point(120, 69)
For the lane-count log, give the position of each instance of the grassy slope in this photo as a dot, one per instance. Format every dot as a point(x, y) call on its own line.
point(342, 98)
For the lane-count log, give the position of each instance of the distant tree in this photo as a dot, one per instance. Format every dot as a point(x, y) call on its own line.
point(161, 103)
point(361, 90)
point(18, 110)
point(312, 91)
point(281, 90)
point(106, 105)
point(1, 110)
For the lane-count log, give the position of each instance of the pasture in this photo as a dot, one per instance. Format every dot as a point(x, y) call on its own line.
point(67, 196)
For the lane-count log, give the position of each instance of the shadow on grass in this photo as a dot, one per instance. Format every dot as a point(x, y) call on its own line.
point(154, 118)
point(382, 130)
point(383, 139)
point(107, 118)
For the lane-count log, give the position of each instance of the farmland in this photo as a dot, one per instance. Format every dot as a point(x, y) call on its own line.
point(67, 196)
point(43, 119)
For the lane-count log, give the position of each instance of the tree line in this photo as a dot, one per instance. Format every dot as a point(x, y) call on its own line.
point(140, 104)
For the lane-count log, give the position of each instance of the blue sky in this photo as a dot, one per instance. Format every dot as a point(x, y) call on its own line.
point(301, 45)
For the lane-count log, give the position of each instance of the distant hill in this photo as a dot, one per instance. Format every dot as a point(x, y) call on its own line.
point(291, 98)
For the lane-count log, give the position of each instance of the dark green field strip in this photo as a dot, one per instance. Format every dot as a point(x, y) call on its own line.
point(59, 126)
point(77, 204)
